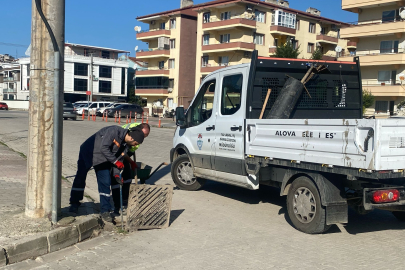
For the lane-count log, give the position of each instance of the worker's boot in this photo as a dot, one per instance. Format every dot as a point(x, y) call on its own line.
point(106, 217)
point(74, 208)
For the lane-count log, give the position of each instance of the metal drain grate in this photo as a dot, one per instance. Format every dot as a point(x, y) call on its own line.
point(149, 206)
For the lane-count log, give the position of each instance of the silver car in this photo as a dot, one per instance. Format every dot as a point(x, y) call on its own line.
point(69, 111)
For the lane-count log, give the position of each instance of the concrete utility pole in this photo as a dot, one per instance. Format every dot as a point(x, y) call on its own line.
point(45, 111)
point(91, 77)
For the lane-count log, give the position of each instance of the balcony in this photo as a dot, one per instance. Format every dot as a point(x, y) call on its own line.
point(210, 68)
point(282, 30)
point(231, 23)
point(351, 45)
point(321, 38)
point(11, 79)
point(356, 5)
point(153, 71)
point(231, 46)
point(152, 53)
point(152, 92)
point(379, 89)
point(152, 34)
point(373, 28)
point(395, 56)
point(9, 90)
point(272, 50)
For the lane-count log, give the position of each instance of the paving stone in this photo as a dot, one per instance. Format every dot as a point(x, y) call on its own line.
point(26, 248)
point(62, 237)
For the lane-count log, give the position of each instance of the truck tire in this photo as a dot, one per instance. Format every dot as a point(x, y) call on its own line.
point(183, 175)
point(304, 207)
point(399, 215)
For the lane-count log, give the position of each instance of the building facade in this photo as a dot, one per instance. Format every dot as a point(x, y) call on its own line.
point(169, 74)
point(228, 31)
point(10, 80)
point(108, 81)
point(379, 34)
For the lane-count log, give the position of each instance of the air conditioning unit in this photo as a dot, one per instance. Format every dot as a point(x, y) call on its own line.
point(169, 90)
point(249, 7)
point(152, 22)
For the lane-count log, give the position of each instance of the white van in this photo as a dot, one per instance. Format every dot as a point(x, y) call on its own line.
point(93, 107)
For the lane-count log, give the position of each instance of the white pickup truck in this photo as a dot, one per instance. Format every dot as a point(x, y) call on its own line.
point(324, 157)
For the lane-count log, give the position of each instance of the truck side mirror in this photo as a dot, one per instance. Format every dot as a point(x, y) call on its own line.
point(180, 118)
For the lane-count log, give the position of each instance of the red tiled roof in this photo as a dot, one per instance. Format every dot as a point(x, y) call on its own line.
point(186, 10)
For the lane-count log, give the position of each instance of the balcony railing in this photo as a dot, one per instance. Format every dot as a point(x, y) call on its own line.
point(232, 16)
point(379, 20)
point(327, 38)
point(152, 30)
point(395, 50)
point(9, 90)
point(10, 79)
point(153, 52)
point(279, 29)
point(243, 46)
point(99, 59)
point(153, 33)
point(153, 71)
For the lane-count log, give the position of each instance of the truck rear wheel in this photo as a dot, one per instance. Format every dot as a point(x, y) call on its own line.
point(304, 207)
point(183, 174)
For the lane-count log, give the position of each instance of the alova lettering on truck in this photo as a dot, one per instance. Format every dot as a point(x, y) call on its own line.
point(285, 133)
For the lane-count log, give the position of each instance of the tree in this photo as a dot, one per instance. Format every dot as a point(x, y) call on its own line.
point(132, 98)
point(317, 54)
point(368, 99)
point(287, 51)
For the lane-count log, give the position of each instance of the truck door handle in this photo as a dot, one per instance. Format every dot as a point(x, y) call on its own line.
point(235, 128)
point(210, 128)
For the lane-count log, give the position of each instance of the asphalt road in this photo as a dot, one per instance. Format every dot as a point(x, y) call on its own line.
point(219, 227)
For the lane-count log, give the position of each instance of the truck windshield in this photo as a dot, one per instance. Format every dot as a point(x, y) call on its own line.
point(201, 109)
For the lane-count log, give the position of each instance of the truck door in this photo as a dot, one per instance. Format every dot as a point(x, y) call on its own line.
point(201, 131)
point(229, 130)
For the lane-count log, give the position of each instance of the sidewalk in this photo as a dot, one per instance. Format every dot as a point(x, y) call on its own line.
point(14, 225)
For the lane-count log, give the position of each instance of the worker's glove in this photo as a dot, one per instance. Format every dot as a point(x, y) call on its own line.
point(119, 164)
point(119, 179)
point(133, 165)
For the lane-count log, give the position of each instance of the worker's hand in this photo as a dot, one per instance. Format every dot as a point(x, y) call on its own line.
point(119, 179)
point(119, 165)
point(133, 165)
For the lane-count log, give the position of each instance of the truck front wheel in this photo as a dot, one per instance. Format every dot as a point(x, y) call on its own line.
point(304, 207)
point(183, 174)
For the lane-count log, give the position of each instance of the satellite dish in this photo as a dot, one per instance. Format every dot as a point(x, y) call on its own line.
point(137, 29)
point(402, 13)
point(338, 49)
point(136, 48)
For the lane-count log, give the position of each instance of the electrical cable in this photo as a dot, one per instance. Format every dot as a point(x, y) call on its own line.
point(39, 9)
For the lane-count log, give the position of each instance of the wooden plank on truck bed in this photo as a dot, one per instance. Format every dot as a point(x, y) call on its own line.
point(149, 206)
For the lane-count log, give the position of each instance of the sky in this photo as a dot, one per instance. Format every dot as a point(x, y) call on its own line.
point(110, 24)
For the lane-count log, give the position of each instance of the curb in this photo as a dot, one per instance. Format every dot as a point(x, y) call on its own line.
point(48, 242)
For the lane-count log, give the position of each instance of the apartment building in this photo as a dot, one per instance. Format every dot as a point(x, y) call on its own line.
point(108, 81)
point(379, 34)
point(10, 80)
point(228, 31)
point(169, 72)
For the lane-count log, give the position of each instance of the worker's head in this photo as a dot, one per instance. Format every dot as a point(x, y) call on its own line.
point(134, 137)
point(145, 129)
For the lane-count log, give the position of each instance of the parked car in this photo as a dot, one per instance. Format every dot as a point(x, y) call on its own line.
point(100, 111)
point(125, 109)
point(81, 108)
point(96, 105)
point(69, 111)
point(80, 103)
point(3, 106)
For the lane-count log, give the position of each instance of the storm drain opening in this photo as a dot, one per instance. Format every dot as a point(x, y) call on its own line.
point(149, 207)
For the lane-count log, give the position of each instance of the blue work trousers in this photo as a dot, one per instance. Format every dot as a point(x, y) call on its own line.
point(103, 173)
point(79, 183)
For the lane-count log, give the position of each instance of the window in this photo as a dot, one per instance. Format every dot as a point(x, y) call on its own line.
point(311, 28)
point(324, 30)
point(171, 63)
point(295, 44)
point(171, 83)
point(206, 17)
point(81, 69)
point(389, 46)
point(224, 38)
point(231, 94)
point(105, 72)
point(381, 106)
point(384, 76)
point(204, 61)
point(201, 109)
point(80, 84)
point(275, 44)
point(285, 19)
point(259, 16)
point(161, 64)
point(225, 15)
point(297, 25)
point(206, 39)
point(258, 39)
point(388, 16)
point(162, 25)
point(104, 86)
point(122, 81)
point(105, 54)
point(172, 44)
point(310, 48)
point(172, 23)
point(223, 60)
